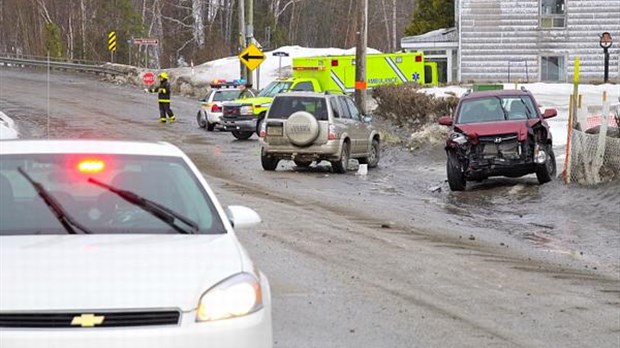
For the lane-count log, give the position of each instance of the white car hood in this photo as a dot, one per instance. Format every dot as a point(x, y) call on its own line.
point(82, 272)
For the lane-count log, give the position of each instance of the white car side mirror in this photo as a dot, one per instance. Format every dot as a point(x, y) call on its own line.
point(240, 216)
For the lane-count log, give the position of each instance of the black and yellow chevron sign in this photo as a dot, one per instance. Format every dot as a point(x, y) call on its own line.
point(112, 41)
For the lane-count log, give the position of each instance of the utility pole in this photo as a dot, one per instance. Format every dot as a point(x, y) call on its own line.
point(250, 35)
point(394, 43)
point(242, 70)
point(360, 55)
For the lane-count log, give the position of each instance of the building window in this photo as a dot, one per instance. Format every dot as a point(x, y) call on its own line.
point(552, 68)
point(552, 14)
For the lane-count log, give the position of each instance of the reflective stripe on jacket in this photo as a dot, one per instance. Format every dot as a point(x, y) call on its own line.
point(163, 91)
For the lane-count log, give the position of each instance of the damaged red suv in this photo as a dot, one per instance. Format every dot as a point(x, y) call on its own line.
point(498, 133)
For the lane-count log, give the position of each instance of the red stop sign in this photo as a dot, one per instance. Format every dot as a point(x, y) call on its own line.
point(148, 78)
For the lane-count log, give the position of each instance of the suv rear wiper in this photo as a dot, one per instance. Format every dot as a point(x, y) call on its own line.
point(65, 219)
point(161, 212)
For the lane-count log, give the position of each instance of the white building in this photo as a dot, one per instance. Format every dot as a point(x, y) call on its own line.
point(526, 40)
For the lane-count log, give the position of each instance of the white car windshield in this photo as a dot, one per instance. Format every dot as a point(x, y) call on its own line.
point(102, 194)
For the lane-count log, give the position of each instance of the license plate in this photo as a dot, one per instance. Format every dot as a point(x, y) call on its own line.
point(274, 131)
point(490, 149)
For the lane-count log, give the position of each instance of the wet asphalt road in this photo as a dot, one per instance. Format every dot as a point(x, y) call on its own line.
point(391, 259)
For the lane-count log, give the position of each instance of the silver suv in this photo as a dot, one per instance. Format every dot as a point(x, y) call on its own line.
point(309, 126)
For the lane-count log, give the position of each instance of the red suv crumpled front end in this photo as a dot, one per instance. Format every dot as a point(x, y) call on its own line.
point(498, 133)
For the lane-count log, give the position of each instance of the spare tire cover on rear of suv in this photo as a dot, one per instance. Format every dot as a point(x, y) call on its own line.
point(301, 128)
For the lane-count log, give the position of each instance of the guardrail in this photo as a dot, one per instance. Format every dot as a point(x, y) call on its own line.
point(77, 65)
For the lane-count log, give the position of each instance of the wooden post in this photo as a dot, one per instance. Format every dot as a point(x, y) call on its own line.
point(250, 36)
point(242, 70)
point(567, 157)
point(360, 56)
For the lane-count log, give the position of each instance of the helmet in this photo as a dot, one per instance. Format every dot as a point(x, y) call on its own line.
point(163, 75)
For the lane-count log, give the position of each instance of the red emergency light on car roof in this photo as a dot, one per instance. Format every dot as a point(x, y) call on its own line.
point(219, 83)
point(91, 166)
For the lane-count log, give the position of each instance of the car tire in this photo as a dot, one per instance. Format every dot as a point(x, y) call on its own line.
point(373, 157)
point(302, 163)
point(259, 123)
point(340, 166)
point(456, 177)
point(202, 123)
point(547, 171)
point(301, 128)
point(269, 163)
point(241, 135)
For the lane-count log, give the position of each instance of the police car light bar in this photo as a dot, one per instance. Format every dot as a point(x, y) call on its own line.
point(219, 83)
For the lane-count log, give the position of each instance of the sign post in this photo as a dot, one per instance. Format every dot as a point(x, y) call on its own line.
point(606, 42)
point(280, 55)
point(148, 41)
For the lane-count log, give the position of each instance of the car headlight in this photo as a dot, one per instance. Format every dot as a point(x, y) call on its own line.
point(458, 138)
point(246, 110)
point(236, 296)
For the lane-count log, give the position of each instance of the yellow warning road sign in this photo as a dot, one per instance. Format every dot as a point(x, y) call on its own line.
point(252, 57)
point(112, 41)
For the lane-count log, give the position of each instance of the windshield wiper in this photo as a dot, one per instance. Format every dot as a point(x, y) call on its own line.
point(65, 219)
point(161, 212)
point(527, 109)
point(502, 107)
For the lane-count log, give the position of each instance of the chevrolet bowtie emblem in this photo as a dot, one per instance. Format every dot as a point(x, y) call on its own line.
point(87, 320)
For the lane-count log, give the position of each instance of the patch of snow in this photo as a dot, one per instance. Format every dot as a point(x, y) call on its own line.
point(8, 130)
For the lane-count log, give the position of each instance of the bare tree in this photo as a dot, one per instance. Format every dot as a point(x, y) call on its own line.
point(199, 29)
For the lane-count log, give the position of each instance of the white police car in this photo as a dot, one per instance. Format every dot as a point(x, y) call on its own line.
point(210, 114)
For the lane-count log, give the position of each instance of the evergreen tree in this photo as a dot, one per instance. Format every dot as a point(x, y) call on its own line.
point(429, 15)
point(53, 42)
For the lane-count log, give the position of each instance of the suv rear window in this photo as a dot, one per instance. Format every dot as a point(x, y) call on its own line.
point(283, 107)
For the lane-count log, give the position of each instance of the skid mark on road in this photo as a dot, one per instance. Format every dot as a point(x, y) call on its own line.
point(411, 295)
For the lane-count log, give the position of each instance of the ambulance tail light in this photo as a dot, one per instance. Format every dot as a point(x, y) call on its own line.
point(418, 58)
point(331, 132)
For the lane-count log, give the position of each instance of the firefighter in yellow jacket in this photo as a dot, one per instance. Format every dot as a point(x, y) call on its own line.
point(163, 96)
